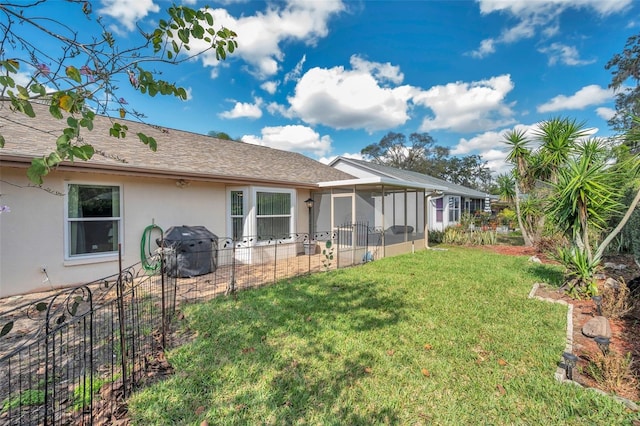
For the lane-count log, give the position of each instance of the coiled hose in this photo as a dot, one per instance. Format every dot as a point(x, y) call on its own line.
point(145, 250)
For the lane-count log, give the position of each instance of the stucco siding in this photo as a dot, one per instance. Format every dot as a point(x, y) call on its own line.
point(32, 233)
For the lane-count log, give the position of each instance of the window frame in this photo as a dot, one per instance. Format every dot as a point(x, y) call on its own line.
point(439, 210)
point(289, 215)
point(250, 222)
point(454, 209)
point(106, 255)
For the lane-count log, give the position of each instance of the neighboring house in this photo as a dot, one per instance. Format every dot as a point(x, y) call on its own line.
point(72, 226)
point(445, 204)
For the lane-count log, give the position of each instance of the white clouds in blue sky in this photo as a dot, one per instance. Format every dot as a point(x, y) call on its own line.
point(333, 76)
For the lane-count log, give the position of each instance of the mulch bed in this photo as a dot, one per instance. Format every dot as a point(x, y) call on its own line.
point(625, 331)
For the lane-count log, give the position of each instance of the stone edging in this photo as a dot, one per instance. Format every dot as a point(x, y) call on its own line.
point(560, 374)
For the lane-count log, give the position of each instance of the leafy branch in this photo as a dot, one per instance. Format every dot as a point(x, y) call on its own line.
point(82, 82)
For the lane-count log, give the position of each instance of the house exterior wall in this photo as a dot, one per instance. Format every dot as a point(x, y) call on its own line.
point(32, 234)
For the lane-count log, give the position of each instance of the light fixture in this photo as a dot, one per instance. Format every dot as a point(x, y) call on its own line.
point(598, 301)
point(603, 344)
point(181, 183)
point(570, 361)
point(309, 202)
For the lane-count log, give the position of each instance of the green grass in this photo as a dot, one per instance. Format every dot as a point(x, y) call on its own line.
point(25, 398)
point(348, 347)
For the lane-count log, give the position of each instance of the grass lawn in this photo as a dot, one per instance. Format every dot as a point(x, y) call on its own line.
point(435, 337)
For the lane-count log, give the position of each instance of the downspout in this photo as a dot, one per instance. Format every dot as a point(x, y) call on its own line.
point(427, 198)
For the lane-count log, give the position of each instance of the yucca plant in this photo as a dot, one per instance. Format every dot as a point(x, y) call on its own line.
point(579, 271)
point(587, 193)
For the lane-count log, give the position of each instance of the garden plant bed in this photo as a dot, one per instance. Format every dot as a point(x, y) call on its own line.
point(625, 331)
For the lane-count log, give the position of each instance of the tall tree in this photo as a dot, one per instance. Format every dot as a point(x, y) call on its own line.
point(220, 135)
point(505, 187)
point(420, 154)
point(625, 69)
point(394, 151)
point(519, 155)
point(558, 140)
point(82, 77)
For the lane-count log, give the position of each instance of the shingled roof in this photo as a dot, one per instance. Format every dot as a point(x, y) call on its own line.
point(179, 154)
point(411, 176)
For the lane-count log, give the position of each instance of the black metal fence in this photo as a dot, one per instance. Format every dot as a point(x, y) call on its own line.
point(73, 356)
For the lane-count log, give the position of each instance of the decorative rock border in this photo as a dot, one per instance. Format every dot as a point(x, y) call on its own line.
point(560, 374)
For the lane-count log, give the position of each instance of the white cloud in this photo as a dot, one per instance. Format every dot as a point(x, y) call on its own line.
point(567, 55)
point(260, 35)
point(295, 138)
point(605, 113)
point(327, 160)
point(496, 161)
point(487, 47)
point(294, 74)
point(477, 144)
point(128, 12)
point(244, 110)
point(353, 99)
point(538, 15)
point(269, 86)
point(523, 8)
point(491, 148)
point(276, 108)
point(381, 72)
point(467, 107)
point(588, 95)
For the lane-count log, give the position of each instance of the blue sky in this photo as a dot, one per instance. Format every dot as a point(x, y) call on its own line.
point(327, 78)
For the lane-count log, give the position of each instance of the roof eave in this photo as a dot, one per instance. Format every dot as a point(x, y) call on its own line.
point(377, 180)
point(86, 167)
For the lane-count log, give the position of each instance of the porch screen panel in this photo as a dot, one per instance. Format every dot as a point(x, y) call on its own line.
point(412, 210)
point(273, 214)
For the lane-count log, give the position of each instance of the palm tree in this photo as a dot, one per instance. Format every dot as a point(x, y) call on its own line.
point(585, 195)
point(557, 137)
point(506, 187)
point(588, 192)
point(519, 155)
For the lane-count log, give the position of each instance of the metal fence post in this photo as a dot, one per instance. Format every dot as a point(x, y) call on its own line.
point(164, 313)
point(121, 320)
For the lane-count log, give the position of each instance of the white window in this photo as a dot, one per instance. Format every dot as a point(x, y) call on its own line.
point(237, 214)
point(261, 213)
point(93, 220)
point(454, 209)
point(273, 215)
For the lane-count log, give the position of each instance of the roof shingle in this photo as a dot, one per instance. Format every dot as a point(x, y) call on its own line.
point(179, 152)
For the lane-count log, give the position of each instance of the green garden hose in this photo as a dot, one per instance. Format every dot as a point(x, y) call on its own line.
point(145, 249)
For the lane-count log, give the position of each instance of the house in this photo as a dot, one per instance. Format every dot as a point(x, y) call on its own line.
point(444, 205)
point(68, 231)
point(72, 228)
point(90, 214)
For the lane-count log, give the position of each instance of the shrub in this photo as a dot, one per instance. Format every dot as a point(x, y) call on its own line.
point(436, 237)
point(457, 235)
point(508, 217)
point(613, 372)
point(579, 271)
point(616, 301)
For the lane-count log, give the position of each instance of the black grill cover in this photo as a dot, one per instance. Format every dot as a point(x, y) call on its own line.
point(196, 251)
